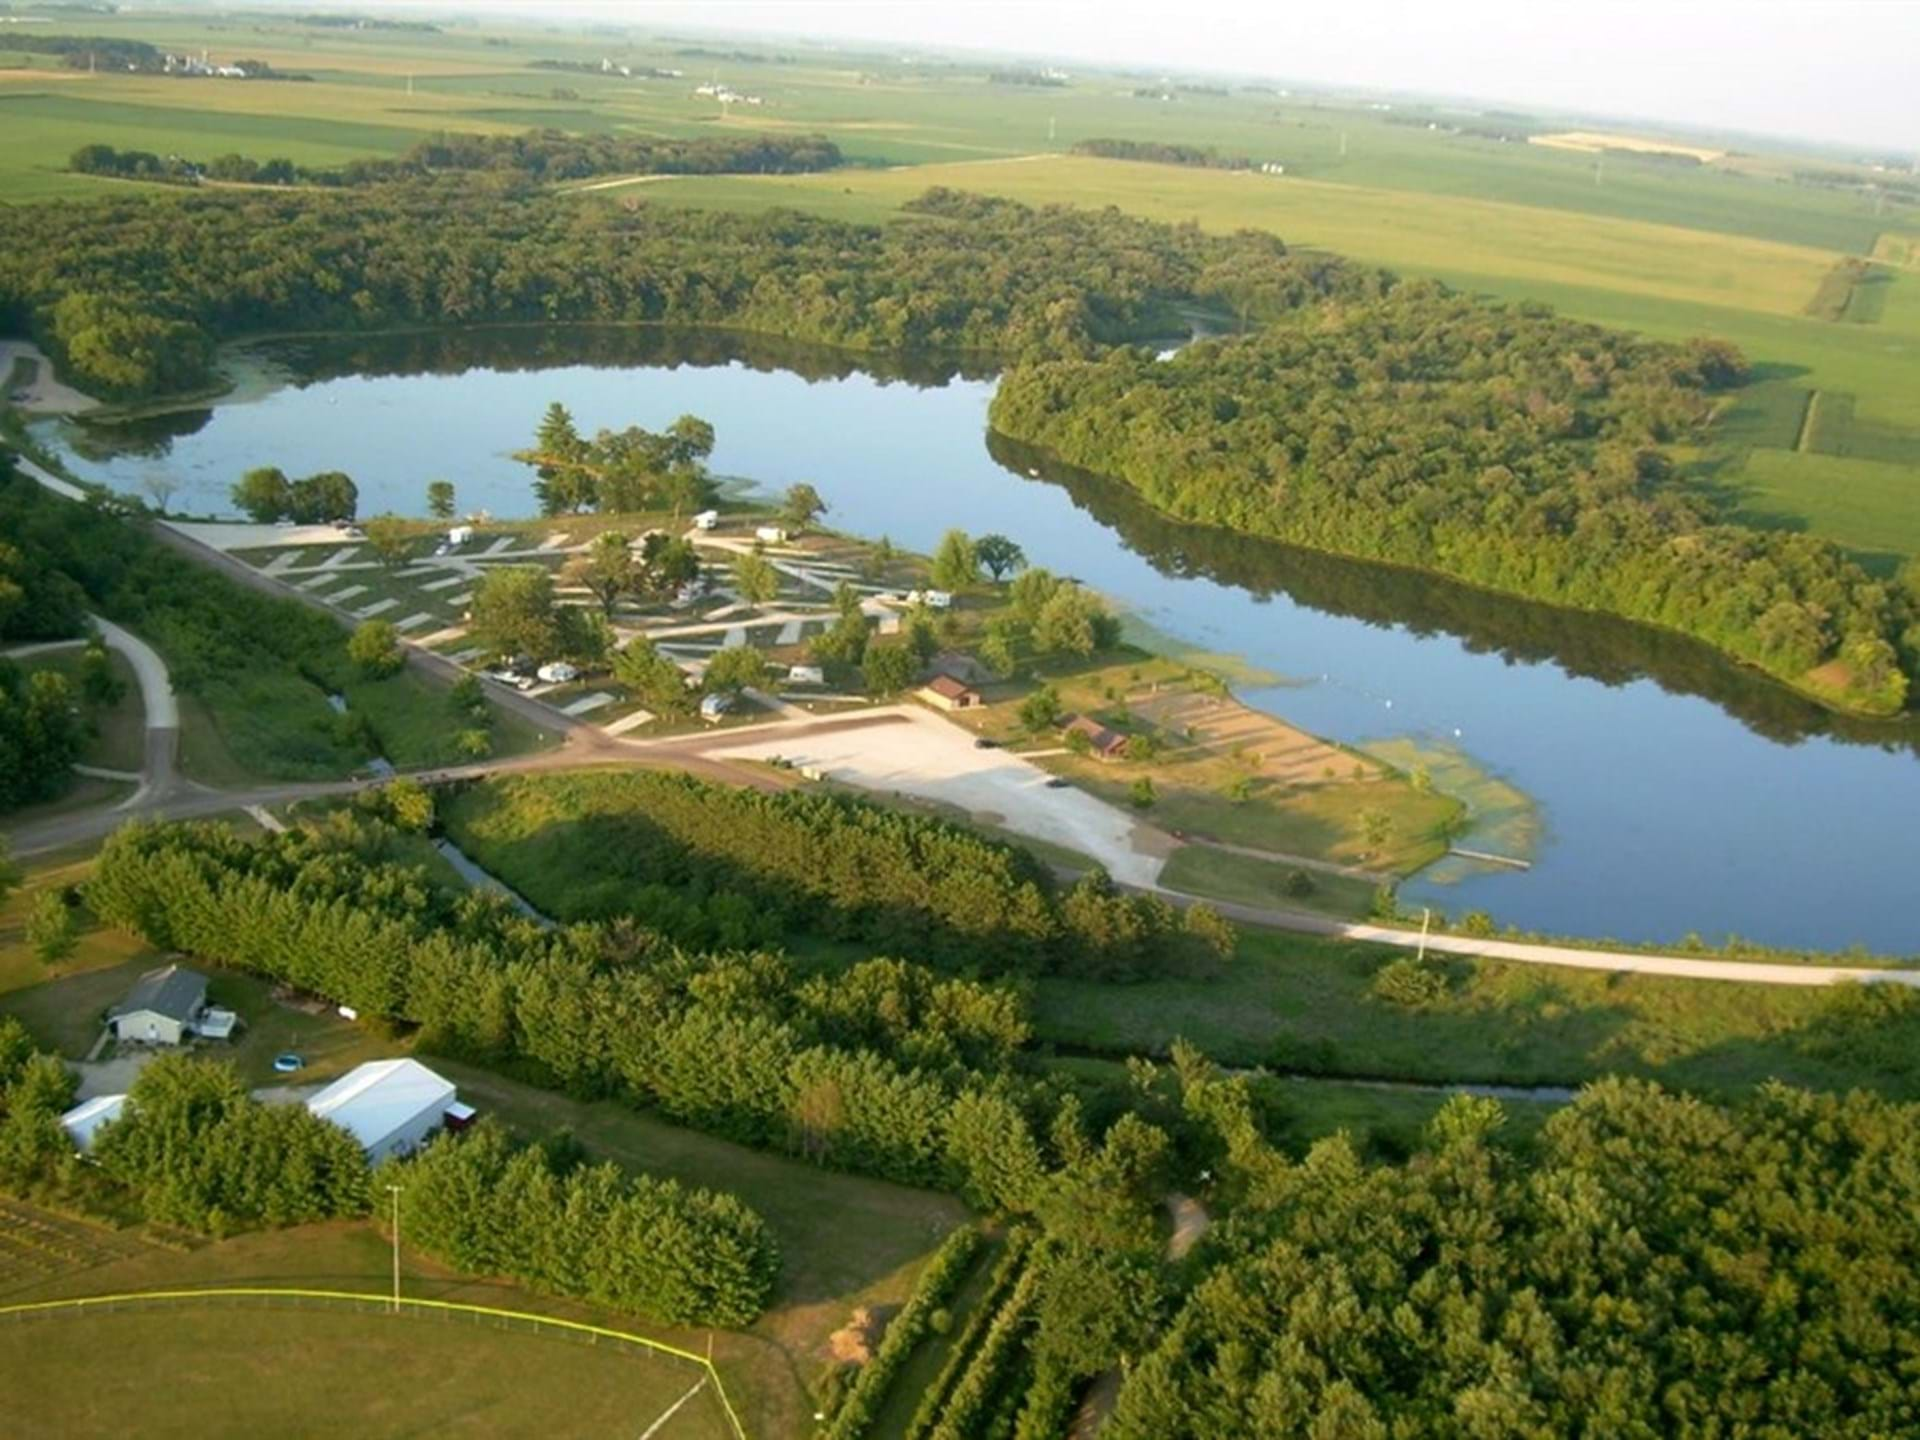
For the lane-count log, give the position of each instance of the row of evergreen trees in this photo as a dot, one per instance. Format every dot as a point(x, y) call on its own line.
point(890, 1070)
point(679, 851)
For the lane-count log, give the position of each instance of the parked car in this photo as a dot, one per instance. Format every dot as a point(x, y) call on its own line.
point(985, 742)
point(558, 672)
point(1056, 782)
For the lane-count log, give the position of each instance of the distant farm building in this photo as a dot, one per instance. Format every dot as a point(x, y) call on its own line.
point(1105, 743)
point(389, 1106)
point(943, 692)
point(167, 1005)
point(88, 1116)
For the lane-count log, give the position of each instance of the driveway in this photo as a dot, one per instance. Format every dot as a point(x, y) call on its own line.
point(914, 752)
point(111, 1077)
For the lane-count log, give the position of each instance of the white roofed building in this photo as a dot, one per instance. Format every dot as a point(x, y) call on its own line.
point(389, 1106)
point(84, 1119)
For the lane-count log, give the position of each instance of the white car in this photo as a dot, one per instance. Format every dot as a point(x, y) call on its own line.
point(557, 672)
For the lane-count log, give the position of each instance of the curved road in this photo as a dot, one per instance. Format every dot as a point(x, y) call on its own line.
point(165, 795)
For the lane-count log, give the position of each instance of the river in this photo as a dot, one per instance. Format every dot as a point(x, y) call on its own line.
point(1675, 792)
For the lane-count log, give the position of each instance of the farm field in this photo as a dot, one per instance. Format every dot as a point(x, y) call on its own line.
point(1664, 281)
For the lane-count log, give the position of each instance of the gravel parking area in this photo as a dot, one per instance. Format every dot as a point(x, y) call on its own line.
point(915, 752)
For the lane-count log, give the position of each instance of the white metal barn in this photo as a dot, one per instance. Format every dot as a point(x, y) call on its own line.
point(88, 1116)
point(389, 1106)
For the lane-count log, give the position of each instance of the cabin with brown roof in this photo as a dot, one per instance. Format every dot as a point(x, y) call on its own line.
point(943, 692)
point(1102, 742)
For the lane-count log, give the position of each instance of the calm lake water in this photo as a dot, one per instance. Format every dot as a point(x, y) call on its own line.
point(1675, 792)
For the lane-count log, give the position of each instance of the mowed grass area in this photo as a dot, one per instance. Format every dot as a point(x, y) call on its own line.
point(214, 1369)
point(1301, 1004)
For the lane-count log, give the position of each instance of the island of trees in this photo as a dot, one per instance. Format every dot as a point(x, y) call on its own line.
point(1161, 152)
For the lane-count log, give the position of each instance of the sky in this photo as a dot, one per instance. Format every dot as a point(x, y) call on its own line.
point(1832, 70)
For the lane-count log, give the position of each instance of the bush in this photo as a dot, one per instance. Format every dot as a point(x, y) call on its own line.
point(375, 647)
point(1409, 983)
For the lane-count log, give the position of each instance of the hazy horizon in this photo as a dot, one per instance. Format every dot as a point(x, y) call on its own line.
point(1830, 71)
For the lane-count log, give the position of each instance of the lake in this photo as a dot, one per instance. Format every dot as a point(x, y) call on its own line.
point(1676, 793)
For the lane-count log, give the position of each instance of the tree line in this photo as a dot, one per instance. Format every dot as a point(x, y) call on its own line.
point(1161, 152)
point(537, 155)
point(716, 864)
point(887, 1070)
point(194, 1149)
point(1496, 444)
point(130, 294)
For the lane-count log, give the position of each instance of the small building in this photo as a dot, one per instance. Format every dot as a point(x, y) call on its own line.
point(163, 1007)
point(932, 599)
point(943, 692)
point(389, 1106)
point(706, 520)
point(714, 706)
point(459, 534)
point(770, 535)
point(88, 1116)
point(806, 675)
point(1102, 742)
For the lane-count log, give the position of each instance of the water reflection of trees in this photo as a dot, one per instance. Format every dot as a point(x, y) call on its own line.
point(548, 347)
point(1598, 647)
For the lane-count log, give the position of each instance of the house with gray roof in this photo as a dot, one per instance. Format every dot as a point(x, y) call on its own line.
point(163, 1007)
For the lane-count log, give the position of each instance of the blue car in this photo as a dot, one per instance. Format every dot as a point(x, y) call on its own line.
point(288, 1063)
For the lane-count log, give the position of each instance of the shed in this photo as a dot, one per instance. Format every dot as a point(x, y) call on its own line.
point(943, 692)
point(162, 1007)
point(706, 520)
point(1105, 743)
point(459, 534)
point(88, 1116)
point(770, 535)
point(389, 1106)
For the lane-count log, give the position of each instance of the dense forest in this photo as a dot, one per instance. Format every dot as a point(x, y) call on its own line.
point(1495, 444)
point(130, 294)
point(1657, 1266)
point(536, 155)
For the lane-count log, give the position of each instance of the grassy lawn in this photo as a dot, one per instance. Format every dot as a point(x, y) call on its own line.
point(1223, 875)
point(234, 1372)
point(119, 740)
point(1302, 1004)
point(1226, 772)
point(844, 1240)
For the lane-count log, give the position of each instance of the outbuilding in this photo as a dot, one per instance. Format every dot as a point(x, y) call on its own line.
point(389, 1106)
point(459, 534)
point(706, 520)
point(88, 1116)
point(1105, 743)
point(943, 692)
point(162, 1008)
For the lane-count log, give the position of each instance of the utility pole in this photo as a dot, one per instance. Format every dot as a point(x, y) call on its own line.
point(409, 82)
point(1599, 166)
point(1050, 124)
point(1343, 144)
point(1426, 920)
point(394, 1191)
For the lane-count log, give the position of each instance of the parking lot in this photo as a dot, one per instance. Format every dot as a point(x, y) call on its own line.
point(912, 751)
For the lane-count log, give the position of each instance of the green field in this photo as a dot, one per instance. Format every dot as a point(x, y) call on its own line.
point(1299, 1004)
point(1735, 248)
point(235, 1371)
